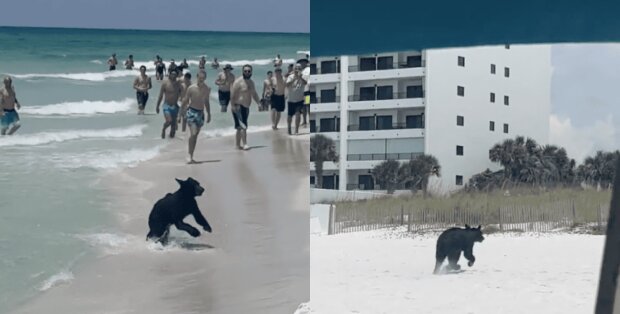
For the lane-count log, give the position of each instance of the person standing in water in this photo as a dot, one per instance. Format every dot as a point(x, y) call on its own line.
point(202, 63)
point(242, 93)
point(295, 84)
point(277, 99)
point(195, 102)
point(277, 62)
point(224, 82)
point(112, 62)
point(129, 63)
point(142, 84)
point(265, 102)
point(185, 83)
point(160, 68)
point(172, 90)
point(215, 65)
point(9, 119)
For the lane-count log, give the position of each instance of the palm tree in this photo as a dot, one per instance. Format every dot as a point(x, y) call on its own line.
point(416, 172)
point(386, 175)
point(598, 169)
point(322, 149)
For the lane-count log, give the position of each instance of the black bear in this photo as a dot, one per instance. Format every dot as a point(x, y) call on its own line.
point(173, 208)
point(454, 240)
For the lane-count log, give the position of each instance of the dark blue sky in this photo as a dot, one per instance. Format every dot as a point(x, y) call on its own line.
point(288, 16)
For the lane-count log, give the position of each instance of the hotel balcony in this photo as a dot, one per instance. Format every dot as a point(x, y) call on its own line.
point(393, 101)
point(326, 104)
point(386, 71)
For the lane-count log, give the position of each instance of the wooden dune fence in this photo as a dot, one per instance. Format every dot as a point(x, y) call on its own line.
point(543, 218)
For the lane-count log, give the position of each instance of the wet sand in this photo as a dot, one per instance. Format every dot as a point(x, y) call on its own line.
point(255, 261)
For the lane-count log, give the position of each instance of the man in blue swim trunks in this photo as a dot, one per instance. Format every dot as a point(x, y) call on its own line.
point(197, 97)
point(172, 90)
point(9, 119)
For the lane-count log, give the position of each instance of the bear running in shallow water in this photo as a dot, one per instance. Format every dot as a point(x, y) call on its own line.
point(173, 208)
point(454, 240)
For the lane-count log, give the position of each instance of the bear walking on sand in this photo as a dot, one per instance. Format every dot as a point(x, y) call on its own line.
point(454, 240)
point(173, 208)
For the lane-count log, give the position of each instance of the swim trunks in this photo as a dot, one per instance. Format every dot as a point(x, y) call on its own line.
point(195, 116)
point(241, 117)
point(112, 67)
point(277, 102)
point(142, 99)
point(224, 97)
point(171, 110)
point(10, 118)
point(295, 107)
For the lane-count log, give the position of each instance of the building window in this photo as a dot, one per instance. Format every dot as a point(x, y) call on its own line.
point(385, 92)
point(367, 93)
point(505, 127)
point(329, 67)
point(460, 90)
point(385, 63)
point(507, 46)
point(491, 126)
point(459, 180)
point(312, 180)
point(384, 122)
point(460, 120)
point(461, 61)
point(506, 100)
point(368, 64)
point(459, 150)
point(415, 91)
point(507, 72)
point(492, 68)
point(414, 61)
point(492, 97)
point(328, 95)
point(414, 122)
point(312, 126)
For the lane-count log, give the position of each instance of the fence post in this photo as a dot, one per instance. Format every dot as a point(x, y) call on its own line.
point(499, 217)
point(574, 212)
point(409, 219)
point(332, 216)
point(402, 214)
point(598, 216)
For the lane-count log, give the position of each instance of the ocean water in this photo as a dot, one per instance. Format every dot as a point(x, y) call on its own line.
point(79, 122)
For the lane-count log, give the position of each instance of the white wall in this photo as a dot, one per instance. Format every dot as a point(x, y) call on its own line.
point(528, 113)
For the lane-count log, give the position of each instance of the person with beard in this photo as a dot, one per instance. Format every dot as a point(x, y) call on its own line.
point(224, 82)
point(242, 92)
point(172, 89)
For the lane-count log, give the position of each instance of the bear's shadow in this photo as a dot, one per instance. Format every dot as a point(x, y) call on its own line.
point(195, 246)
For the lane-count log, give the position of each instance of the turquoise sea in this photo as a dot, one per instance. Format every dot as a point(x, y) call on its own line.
point(79, 122)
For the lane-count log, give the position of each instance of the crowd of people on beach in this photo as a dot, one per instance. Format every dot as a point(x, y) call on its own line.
point(185, 102)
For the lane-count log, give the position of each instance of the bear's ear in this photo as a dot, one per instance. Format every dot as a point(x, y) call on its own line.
point(479, 226)
point(179, 181)
point(467, 226)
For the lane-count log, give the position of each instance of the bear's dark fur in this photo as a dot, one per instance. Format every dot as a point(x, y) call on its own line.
point(173, 208)
point(454, 240)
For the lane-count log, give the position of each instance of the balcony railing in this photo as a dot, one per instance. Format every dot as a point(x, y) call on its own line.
point(384, 156)
point(379, 67)
point(319, 100)
point(323, 71)
point(364, 187)
point(402, 95)
point(394, 126)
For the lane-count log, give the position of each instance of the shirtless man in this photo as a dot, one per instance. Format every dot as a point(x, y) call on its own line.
point(215, 65)
point(277, 99)
point(197, 97)
point(242, 93)
point(160, 68)
point(172, 67)
point(305, 73)
point(277, 62)
point(182, 66)
point(265, 102)
point(112, 62)
point(129, 63)
point(295, 84)
point(8, 102)
point(224, 82)
point(186, 82)
point(202, 63)
point(142, 84)
point(172, 89)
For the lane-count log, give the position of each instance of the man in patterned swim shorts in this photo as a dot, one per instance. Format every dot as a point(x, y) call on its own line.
point(197, 97)
point(172, 89)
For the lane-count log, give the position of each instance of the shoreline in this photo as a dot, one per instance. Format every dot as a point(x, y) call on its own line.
point(267, 270)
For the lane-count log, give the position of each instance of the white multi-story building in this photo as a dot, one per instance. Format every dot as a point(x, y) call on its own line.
point(454, 104)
